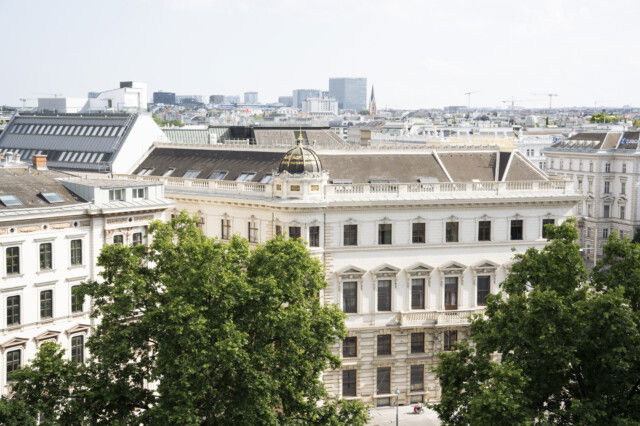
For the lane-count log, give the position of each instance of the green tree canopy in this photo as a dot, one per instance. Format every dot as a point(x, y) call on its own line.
point(557, 345)
point(603, 117)
point(224, 333)
point(167, 123)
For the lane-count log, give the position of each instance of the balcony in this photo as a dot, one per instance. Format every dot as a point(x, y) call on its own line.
point(437, 318)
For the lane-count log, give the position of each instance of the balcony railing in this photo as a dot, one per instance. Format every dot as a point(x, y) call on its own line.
point(458, 317)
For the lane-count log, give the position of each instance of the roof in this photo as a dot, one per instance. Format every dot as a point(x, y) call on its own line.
point(600, 141)
point(192, 136)
point(29, 185)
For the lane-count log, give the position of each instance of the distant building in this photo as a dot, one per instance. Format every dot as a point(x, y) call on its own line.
point(299, 96)
point(320, 106)
point(92, 95)
point(129, 97)
point(351, 93)
point(250, 97)
point(63, 105)
point(193, 101)
point(233, 99)
point(286, 100)
point(216, 99)
point(373, 108)
point(166, 98)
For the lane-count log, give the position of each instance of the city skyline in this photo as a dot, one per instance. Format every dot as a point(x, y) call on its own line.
point(418, 54)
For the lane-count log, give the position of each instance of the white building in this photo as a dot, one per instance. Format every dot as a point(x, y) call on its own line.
point(52, 228)
point(604, 167)
point(131, 96)
point(412, 239)
point(320, 106)
point(532, 143)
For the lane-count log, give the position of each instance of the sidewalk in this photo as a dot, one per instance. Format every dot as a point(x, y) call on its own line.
point(387, 416)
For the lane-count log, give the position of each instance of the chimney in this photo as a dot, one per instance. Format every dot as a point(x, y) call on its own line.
point(39, 162)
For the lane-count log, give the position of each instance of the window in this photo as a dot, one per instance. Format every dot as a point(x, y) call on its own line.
point(169, 172)
point(623, 187)
point(418, 233)
point(451, 293)
point(384, 233)
point(218, 175)
point(136, 238)
point(516, 229)
point(349, 382)
point(10, 200)
point(76, 252)
point(77, 299)
point(606, 210)
point(13, 362)
point(384, 344)
point(451, 232)
point(350, 235)
point(46, 261)
point(13, 310)
point(46, 304)
point(191, 174)
point(266, 178)
point(621, 234)
point(13, 260)
point(118, 239)
point(225, 229)
point(278, 230)
point(314, 236)
point(145, 172)
point(350, 297)
point(605, 233)
point(116, 194)
point(622, 212)
point(295, 232)
point(417, 378)
point(350, 347)
point(484, 288)
point(245, 177)
point(484, 230)
point(139, 193)
point(546, 222)
point(450, 338)
point(383, 380)
point(607, 167)
point(417, 343)
point(624, 167)
point(77, 349)
point(580, 184)
point(384, 295)
point(417, 293)
point(607, 187)
point(252, 232)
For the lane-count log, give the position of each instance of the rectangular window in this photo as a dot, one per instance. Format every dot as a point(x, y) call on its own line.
point(118, 239)
point(624, 167)
point(191, 174)
point(13, 362)
point(451, 232)
point(383, 380)
point(623, 187)
point(77, 349)
point(245, 177)
point(384, 233)
point(605, 233)
point(13, 260)
point(546, 222)
point(607, 187)
point(314, 236)
point(607, 167)
point(350, 235)
point(384, 295)
point(295, 232)
point(516, 229)
point(13, 310)
point(252, 232)
point(450, 338)
point(278, 230)
point(417, 343)
point(116, 194)
point(417, 293)
point(418, 233)
point(46, 304)
point(350, 297)
point(350, 347)
point(46, 260)
point(606, 210)
point(139, 193)
point(384, 344)
point(76, 252)
point(451, 293)
point(484, 288)
point(417, 378)
point(622, 212)
point(225, 229)
point(136, 238)
point(349, 382)
point(77, 299)
point(484, 230)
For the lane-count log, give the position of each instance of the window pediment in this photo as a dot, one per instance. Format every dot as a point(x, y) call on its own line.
point(485, 267)
point(16, 341)
point(80, 328)
point(46, 336)
point(453, 268)
point(386, 270)
point(351, 272)
point(419, 270)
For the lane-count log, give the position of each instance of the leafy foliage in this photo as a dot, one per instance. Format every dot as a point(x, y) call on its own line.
point(557, 346)
point(603, 117)
point(225, 335)
point(167, 123)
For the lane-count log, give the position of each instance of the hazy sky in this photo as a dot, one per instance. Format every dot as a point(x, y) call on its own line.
point(416, 53)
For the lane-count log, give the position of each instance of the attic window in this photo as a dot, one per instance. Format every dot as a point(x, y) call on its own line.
point(10, 200)
point(342, 181)
point(169, 172)
point(266, 178)
point(52, 197)
point(191, 174)
point(218, 174)
point(245, 176)
point(145, 172)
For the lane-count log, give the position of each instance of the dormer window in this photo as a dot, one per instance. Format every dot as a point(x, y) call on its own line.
point(191, 174)
point(139, 193)
point(218, 175)
point(52, 197)
point(169, 172)
point(266, 178)
point(116, 194)
point(10, 200)
point(245, 177)
point(145, 172)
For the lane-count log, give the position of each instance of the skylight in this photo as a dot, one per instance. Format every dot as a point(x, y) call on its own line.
point(52, 197)
point(191, 174)
point(266, 178)
point(245, 177)
point(218, 175)
point(10, 200)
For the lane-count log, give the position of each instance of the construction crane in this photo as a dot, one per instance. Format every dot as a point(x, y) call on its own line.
point(468, 95)
point(550, 95)
point(513, 101)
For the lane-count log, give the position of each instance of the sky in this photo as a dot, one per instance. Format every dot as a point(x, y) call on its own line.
point(417, 53)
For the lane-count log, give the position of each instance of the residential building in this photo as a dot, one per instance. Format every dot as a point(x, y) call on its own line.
point(320, 106)
point(166, 98)
point(412, 239)
point(52, 228)
point(286, 100)
point(533, 142)
point(250, 97)
point(300, 95)
point(129, 97)
point(216, 99)
point(351, 93)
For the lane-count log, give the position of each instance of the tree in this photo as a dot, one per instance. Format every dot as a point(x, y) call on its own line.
point(364, 112)
point(167, 123)
point(225, 334)
point(557, 345)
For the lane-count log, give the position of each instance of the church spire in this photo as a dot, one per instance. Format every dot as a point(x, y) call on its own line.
point(373, 109)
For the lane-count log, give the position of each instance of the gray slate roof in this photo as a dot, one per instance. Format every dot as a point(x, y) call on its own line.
point(28, 184)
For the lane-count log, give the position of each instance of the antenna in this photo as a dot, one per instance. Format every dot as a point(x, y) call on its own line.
point(468, 95)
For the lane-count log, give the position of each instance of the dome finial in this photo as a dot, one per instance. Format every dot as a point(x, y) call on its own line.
point(299, 142)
